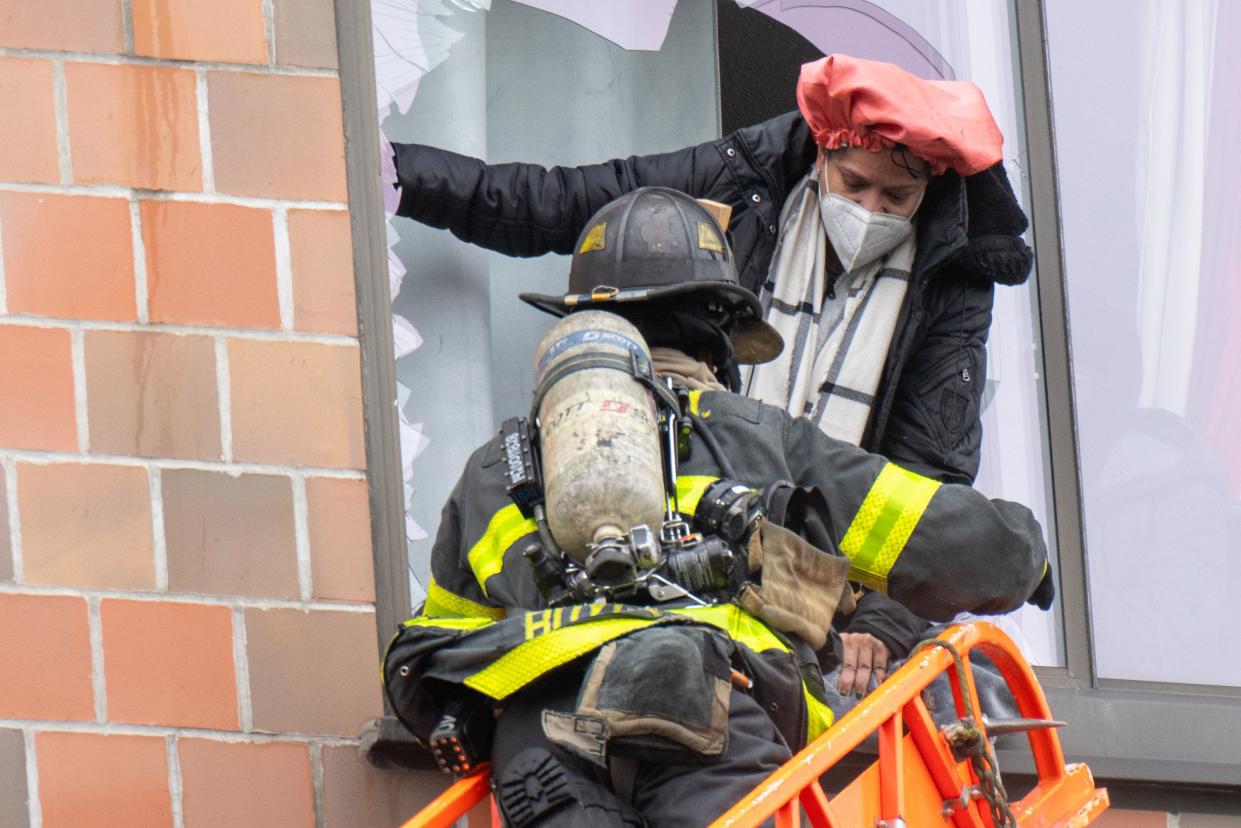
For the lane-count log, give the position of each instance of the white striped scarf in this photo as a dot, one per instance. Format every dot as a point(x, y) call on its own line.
point(834, 348)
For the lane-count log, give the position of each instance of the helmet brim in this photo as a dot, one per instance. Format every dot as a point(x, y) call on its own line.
point(754, 341)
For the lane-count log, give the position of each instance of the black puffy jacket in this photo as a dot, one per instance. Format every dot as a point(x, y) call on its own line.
point(926, 414)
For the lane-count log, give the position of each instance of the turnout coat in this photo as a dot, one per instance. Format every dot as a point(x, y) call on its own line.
point(939, 548)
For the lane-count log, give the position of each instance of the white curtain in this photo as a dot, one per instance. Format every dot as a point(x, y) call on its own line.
point(1175, 84)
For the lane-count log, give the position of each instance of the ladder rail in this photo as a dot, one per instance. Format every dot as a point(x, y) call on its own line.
point(456, 802)
point(897, 698)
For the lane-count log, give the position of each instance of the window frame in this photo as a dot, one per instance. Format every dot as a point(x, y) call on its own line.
point(1141, 731)
point(1131, 731)
point(356, 56)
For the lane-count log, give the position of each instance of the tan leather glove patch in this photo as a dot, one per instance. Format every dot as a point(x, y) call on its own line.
point(802, 586)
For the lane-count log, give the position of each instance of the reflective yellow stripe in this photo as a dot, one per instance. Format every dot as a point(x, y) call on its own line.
point(526, 662)
point(442, 603)
point(468, 624)
point(738, 624)
point(548, 650)
point(883, 524)
point(695, 397)
point(690, 489)
point(819, 716)
point(506, 527)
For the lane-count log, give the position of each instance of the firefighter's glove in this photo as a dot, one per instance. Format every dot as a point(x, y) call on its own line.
point(1045, 592)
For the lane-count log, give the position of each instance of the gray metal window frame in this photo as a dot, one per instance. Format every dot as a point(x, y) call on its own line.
point(1137, 731)
point(1126, 730)
point(356, 57)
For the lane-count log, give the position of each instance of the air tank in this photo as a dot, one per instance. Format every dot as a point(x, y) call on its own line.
point(599, 435)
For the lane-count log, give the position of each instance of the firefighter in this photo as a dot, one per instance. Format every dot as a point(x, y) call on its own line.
point(666, 711)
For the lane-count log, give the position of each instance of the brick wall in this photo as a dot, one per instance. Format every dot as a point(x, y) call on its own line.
point(187, 630)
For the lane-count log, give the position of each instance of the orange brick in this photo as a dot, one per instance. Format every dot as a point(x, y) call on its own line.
point(104, 781)
point(29, 141)
point(133, 125)
point(230, 535)
point(244, 785)
point(86, 525)
point(312, 671)
point(339, 516)
point(222, 30)
point(322, 253)
point(354, 793)
point(305, 33)
point(45, 640)
point(36, 373)
point(6, 553)
point(62, 25)
point(169, 664)
point(210, 264)
point(152, 395)
point(296, 403)
point(277, 136)
point(68, 256)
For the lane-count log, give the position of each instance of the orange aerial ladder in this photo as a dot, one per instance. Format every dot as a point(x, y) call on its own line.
point(924, 775)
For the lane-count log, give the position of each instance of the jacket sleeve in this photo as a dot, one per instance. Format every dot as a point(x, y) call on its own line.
point(935, 425)
point(454, 590)
point(529, 210)
point(938, 548)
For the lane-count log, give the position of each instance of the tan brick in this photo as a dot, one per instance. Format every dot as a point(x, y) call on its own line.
point(323, 291)
point(305, 33)
point(62, 25)
point(296, 403)
point(312, 671)
point(6, 551)
point(210, 264)
point(152, 394)
point(356, 794)
point(13, 791)
point(222, 30)
point(339, 517)
point(244, 785)
point(277, 136)
point(86, 525)
point(36, 371)
point(68, 256)
point(104, 781)
point(45, 640)
point(169, 663)
point(29, 141)
point(133, 125)
point(230, 535)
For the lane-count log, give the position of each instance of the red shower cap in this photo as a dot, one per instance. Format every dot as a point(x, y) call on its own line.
point(852, 102)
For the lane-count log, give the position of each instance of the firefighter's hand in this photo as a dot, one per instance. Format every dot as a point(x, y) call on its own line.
point(862, 656)
point(1045, 593)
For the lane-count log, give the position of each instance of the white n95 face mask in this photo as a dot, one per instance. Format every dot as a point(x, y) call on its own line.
point(858, 235)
